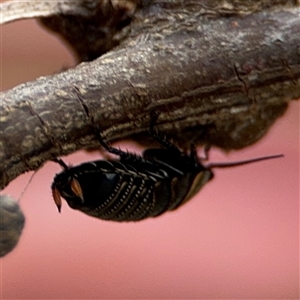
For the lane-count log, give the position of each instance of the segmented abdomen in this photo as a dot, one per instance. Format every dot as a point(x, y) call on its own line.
point(114, 192)
point(131, 200)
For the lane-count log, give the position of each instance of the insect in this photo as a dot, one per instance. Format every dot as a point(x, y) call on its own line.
point(135, 187)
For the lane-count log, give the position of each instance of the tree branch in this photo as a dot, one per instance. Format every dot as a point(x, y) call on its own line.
point(212, 74)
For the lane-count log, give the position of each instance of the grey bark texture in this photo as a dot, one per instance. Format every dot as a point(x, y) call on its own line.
point(216, 72)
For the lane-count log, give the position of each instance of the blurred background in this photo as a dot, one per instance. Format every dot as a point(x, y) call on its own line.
point(238, 238)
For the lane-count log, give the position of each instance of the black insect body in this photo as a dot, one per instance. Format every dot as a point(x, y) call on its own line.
point(134, 187)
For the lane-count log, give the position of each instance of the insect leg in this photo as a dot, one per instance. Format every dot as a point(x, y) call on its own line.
point(108, 147)
point(206, 150)
point(163, 141)
point(158, 137)
point(61, 163)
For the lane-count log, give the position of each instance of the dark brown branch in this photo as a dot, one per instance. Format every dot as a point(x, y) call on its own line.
point(221, 80)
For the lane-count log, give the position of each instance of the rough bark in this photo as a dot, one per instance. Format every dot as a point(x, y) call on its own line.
point(210, 71)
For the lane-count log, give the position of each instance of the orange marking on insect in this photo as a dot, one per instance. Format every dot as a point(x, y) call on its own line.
point(76, 188)
point(57, 198)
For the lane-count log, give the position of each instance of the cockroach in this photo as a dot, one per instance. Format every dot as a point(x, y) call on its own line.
point(135, 187)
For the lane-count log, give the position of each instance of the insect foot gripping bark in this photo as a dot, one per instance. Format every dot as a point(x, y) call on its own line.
point(135, 187)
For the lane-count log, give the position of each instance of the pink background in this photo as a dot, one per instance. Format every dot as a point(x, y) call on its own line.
point(239, 238)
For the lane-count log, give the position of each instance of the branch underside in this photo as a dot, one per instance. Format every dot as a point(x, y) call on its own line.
point(220, 81)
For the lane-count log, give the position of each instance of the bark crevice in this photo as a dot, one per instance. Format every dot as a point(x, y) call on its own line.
point(212, 73)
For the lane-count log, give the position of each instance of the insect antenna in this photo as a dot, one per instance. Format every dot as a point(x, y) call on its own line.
point(243, 162)
point(26, 186)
